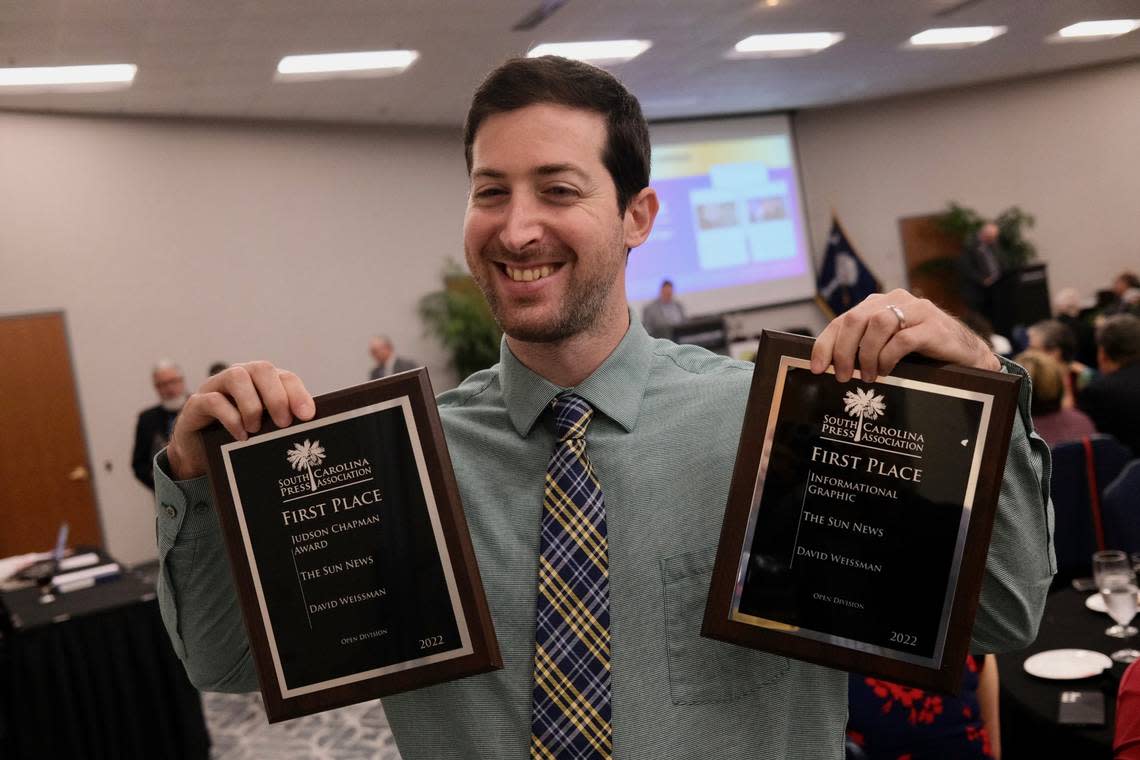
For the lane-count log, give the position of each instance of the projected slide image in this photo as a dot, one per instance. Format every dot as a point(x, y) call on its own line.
point(767, 209)
point(730, 218)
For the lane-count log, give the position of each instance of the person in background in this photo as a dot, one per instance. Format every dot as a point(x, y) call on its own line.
point(1113, 399)
point(662, 314)
point(1069, 309)
point(889, 721)
point(387, 363)
point(1053, 421)
point(979, 269)
point(152, 432)
point(215, 368)
point(1053, 337)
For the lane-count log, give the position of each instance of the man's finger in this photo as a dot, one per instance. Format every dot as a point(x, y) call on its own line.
point(300, 400)
point(882, 325)
point(202, 409)
point(270, 391)
point(239, 386)
point(821, 350)
point(906, 342)
point(852, 325)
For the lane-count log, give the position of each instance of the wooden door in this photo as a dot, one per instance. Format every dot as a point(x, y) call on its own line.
point(931, 261)
point(44, 470)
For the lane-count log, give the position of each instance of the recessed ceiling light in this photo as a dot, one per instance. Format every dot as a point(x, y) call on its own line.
point(599, 51)
point(956, 36)
point(102, 76)
point(365, 63)
point(1086, 30)
point(779, 45)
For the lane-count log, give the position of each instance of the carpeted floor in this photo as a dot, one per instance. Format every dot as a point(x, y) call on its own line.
point(239, 732)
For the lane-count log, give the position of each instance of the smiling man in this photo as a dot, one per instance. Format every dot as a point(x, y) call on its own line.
point(594, 465)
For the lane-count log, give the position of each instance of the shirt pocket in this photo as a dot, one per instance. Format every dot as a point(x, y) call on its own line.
point(703, 670)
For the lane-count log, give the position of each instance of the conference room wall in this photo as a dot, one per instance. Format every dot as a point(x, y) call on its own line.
point(1065, 148)
point(207, 241)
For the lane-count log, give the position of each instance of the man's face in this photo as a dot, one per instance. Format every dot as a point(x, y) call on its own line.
point(542, 234)
point(989, 233)
point(380, 350)
point(666, 293)
point(169, 384)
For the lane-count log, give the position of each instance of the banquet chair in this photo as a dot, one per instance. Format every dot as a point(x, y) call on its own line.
point(1081, 470)
point(1120, 508)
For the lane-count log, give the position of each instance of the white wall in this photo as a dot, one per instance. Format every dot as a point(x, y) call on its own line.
point(204, 242)
point(1066, 148)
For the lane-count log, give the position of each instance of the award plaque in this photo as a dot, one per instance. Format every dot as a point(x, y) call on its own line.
point(859, 514)
point(349, 550)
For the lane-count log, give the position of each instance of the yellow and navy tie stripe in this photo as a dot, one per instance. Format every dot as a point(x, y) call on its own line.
point(571, 718)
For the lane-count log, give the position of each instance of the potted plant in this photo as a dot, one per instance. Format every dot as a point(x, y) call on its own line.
point(459, 317)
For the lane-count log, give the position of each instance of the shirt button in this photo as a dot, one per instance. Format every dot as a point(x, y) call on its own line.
point(200, 507)
point(171, 512)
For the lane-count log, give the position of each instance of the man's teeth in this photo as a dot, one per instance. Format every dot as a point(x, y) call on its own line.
point(529, 275)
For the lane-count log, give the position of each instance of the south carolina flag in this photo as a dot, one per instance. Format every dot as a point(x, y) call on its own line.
point(844, 280)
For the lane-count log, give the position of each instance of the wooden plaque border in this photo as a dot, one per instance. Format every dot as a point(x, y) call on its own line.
point(717, 625)
point(485, 656)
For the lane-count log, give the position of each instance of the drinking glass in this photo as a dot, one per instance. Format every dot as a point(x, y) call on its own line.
point(1117, 583)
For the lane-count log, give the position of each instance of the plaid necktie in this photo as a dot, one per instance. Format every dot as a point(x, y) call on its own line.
point(571, 718)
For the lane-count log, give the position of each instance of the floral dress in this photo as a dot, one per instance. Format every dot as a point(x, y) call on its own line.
point(893, 722)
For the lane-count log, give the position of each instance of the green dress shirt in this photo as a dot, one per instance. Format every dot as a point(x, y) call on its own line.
point(663, 444)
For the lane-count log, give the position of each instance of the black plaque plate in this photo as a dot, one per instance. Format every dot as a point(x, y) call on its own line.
point(859, 514)
point(350, 552)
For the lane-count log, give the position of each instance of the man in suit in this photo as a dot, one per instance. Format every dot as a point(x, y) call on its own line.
point(663, 314)
point(1113, 399)
point(979, 269)
point(152, 432)
point(387, 363)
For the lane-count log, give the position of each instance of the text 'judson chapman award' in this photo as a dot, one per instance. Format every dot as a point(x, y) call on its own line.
point(351, 557)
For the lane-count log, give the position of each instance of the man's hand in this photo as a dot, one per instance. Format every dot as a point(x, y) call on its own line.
point(236, 398)
point(886, 327)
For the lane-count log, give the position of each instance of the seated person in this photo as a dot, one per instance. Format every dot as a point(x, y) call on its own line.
point(1052, 420)
point(889, 721)
point(1112, 400)
point(1057, 339)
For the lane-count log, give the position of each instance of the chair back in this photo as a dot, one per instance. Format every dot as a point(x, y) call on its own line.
point(1121, 508)
point(1074, 533)
point(1081, 472)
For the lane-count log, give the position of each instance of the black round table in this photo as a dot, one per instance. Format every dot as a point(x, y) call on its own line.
point(1029, 727)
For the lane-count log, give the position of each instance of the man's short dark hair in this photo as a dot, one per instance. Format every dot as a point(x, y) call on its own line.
point(1119, 336)
point(666, 282)
point(1056, 335)
point(522, 82)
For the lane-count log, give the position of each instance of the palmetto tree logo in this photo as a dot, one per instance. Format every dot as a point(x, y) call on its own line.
point(305, 456)
point(863, 404)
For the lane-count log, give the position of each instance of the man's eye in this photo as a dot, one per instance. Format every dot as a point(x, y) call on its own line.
point(561, 191)
point(489, 192)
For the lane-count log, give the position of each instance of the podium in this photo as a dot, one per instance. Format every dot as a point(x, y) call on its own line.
point(1021, 297)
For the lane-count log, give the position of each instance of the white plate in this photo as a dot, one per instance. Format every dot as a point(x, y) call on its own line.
point(1067, 664)
point(1096, 603)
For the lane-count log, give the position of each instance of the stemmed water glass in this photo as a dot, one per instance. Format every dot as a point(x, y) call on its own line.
point(1116, 581)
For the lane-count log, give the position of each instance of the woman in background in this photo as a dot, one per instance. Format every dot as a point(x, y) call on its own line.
point(1052, 419)
point(888, 721)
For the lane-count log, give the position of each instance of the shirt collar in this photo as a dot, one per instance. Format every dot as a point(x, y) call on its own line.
point(615, 389)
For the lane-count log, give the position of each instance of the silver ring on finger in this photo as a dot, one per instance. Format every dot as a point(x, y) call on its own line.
point(898, 315)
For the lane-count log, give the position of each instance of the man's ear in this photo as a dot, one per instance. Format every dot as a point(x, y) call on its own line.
point(639, 215)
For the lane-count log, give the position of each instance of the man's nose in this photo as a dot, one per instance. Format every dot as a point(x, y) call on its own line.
point(523, 226)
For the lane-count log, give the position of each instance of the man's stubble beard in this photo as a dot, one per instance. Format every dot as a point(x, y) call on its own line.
point(580, 311)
